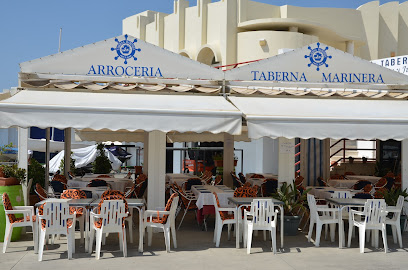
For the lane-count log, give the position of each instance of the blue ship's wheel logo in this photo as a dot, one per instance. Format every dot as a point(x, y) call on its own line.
point(126, 49)
point(318, 56)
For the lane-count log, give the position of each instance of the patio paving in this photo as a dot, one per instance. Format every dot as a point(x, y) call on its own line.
point(197, 251)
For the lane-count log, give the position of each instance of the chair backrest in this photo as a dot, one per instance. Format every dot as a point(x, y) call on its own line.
point(361, 184)
point(263, 212)
point(381, 183)
point(363, 195)
point(7, 206)
point(191, 182)
point(40, 191)
point(140, 190)
point(235, 180)
point(321, 182)
point(61, 178)
point(97, 183)
point(311, 201)
point(245, 192)
point(112, 213)
point(390, 182)
point(269, 186)
point(400, 203)
point(299, 181)
point(55, 216)
point(57, 186)
point(138, 170)
point(218, 180)
point(111, 192)
point(73, 194)
point(242, 177)
point(341, 194)
point(374, 212)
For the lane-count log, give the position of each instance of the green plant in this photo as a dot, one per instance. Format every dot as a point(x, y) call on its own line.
point(391, 196)
point(14, 171)
point(381, 169)
point(71, 164)
point(293, 200)
point(217, 156)
point(101, 163)
point(36, 172)
point(6, 147)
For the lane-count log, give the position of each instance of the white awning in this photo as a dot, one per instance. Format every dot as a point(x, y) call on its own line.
point(80, 110)
point(324, 118)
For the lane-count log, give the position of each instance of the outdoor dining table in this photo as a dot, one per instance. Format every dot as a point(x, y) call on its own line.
point(342, 204)
point(116, 183)
point(178, 178)
point(351, 180)
point(240, 202)
point(205, 199)
point(326, 192)
point(371, 178)
point(265, 175)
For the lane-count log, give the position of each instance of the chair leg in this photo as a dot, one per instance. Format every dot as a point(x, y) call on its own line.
point(124, 243)
point(130, 223)
point(91, 240)
point(173, 232)
point(81, 228)
point(98, 243)
point(41, 245)
point(350, 234)
point(229, 231)
point(273, 236)
point(333, 231)
point(384, 235)
point(394, 233)
point(69, 243)
point(167, 238)
point(149, 236)
point(7, 235)
point(398, 229)
point(120, 235)
point(249, 240)
point(215, 230)
point(309, 234)
point(361, 235)
point(35, 237)
point(318, 234)
point(181, 221)
point(219, 231)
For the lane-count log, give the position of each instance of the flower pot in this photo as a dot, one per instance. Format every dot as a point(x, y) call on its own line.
point(218, 163)
point(291, 225)
point(10, 181)
point(235, 162)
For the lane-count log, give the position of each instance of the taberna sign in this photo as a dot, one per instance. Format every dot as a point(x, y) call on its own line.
point(316, 63)
point(397, 63)
point(123, 56)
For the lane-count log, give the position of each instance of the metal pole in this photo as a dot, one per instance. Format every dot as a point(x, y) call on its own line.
point(59, 45)
point(47, 158)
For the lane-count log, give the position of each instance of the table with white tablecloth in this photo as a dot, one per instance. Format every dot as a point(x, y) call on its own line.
point(326, 192)
point(255, 181)
point(178, 178)
point(116, 183)
point(265, 175)
point(205, 199)
point(96, 191)
point(351, 180)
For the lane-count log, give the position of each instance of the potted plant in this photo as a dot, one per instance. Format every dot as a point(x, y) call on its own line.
point(351, 159)
point(391, 198)
point(294, 203)
point(36, 172)
point(364, 159)
point(101, 165)
point(11, 175)
point(218, 160)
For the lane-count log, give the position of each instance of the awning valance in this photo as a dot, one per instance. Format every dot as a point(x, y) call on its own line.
point(328, 118)
point(130, 112)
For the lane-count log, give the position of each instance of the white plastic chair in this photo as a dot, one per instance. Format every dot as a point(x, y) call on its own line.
point(28, 220)
point(264, 218)
point(395, 220)
point(328, 217)
point(373, 217)
point(110, 219)
point(221, 218)
point(54, 219)
point(164, 220)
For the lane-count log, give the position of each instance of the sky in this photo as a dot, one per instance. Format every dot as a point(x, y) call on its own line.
point(30, 29)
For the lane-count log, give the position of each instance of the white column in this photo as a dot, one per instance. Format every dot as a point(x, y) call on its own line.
point(23, 157)
point(47, 157)
point(67, 151)
point(286, 160)
point(177, 158)
point(146, 153)
point(157, 169)
point(404, 163)
point(350, 47)
point(228, 159)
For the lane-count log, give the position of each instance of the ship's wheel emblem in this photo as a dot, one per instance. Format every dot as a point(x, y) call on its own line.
point(126, 49)
point(318, 56)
